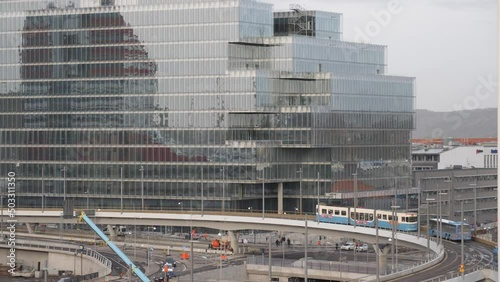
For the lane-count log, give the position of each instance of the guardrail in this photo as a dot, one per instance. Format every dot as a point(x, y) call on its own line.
point(453, 275)
point(106, 263)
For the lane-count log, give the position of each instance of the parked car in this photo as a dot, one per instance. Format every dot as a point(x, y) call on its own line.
point(362, 248)
point(347, 246)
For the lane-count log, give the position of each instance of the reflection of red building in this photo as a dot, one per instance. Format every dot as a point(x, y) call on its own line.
point(127, 58)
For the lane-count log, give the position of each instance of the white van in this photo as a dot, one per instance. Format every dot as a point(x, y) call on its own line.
point(120, 231)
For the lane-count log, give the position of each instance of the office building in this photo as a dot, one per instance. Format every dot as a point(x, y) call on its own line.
point(476, 188)
point(158, 104)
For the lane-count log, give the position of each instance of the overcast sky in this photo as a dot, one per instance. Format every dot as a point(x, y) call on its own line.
point(450, 46)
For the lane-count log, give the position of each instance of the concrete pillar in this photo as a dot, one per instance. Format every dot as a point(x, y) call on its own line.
point(30, 229)
point(112, 233)
point(382, 257)
point(280, 198)
point(234, 241)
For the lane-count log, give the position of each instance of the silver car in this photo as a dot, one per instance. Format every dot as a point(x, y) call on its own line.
point(347, 246)
point(362, 248)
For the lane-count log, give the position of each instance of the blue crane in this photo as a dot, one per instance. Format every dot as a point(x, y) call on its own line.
point(137, 271)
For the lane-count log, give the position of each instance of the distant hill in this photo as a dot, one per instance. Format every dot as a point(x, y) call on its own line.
point(467, 124)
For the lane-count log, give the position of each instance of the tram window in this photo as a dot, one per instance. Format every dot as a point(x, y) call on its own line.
point(361, 216)
point(330, 212)
point(389, 217)
point(403, 219)
point(366, 216)
point(371, 217)
point(323, 211)
point(352, 214)
point(343, 213)
point(337, 212)
point(379, 216)
point(385, 217)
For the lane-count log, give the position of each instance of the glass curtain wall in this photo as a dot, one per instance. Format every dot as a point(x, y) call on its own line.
point(103, 102)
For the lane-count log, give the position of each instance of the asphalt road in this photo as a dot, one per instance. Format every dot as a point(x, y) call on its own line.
point(476, 254)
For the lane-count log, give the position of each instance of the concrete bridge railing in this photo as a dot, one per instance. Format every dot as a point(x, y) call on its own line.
point(103, 264)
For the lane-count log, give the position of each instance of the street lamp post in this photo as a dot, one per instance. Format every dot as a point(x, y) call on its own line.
point(462, 237)
point(440, 218)
point(202, 191)
point(64, 183)
point(142, 186)
point(377, 250)
point(121, 189)
point(43, 192)
point(223, 191)
point(355, 196)
point(474, 185)
point(394, 223)
point(418, 205)
point(300, 189)
point(428, 200)
point(1, 215)
point(305, 251)
point(263, 194)
point(220, 256)
point(250, 209)
point(135, 235)
point(317, 206)
point(149, 247)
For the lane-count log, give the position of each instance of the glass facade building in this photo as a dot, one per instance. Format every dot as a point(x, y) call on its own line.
point(162, 102)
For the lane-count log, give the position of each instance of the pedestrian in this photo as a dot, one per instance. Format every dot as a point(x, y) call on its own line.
point(277, 242)
point(288, 241)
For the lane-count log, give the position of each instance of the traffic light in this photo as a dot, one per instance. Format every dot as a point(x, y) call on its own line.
point(461, 268)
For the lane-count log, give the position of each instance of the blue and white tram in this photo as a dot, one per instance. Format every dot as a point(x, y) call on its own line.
point(452, 230)
point(364, 217)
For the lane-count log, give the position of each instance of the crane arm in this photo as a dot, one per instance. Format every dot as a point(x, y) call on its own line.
point(137, 271)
